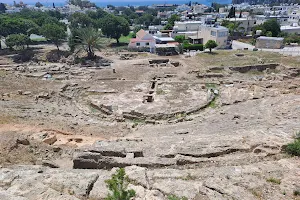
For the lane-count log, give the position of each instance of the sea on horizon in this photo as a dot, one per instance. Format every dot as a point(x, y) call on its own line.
point(100, 3)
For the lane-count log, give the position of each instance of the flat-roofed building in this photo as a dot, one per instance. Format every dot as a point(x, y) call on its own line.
point(263, 42)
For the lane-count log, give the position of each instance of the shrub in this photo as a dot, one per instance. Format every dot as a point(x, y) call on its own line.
point(180, 38)
point(17, 40)
point(193, 47)
point(274, 180)
point(297, 192)
point(24, 56)
point(294, 148)
point(210, 45)
point(174, 197)
point(118, 186)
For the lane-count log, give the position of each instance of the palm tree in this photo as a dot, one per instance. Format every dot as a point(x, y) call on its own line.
point(88, 40)
point(234, 27)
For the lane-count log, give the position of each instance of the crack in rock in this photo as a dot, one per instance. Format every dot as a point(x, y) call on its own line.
point(91, 185)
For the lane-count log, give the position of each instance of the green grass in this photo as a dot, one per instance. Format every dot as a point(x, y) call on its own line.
point(180, 115)
point(294, 148)
point(174, 197)
point(160, 92)
point(126, 39)
point(213, 103)
point(136, 122)
point(274, 180)
point(189, 177)
point(3, 73)
point(210, 85)
point(257, 193)
point(39, 39)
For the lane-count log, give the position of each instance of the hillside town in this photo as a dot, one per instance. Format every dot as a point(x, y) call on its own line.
point(155, 102)
point(198, 23)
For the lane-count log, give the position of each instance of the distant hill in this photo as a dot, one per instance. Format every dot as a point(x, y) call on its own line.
point(274, 2)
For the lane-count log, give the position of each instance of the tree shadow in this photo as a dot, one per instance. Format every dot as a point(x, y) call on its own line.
point(23, 55)
point(55, 55)
point(94, 62)
point(121, 44)
point(212, 53)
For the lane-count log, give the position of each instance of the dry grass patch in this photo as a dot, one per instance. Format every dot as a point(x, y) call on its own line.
point(7, 119)
point(274, 180)
point(3, 73)
point(229, 58)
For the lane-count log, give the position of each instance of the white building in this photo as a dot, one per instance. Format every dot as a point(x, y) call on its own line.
point(142, 40)
point(294, 28)
point(246, 24)
point(148, 41)
point(217, 33)
point(199, 9)
point(187, 26)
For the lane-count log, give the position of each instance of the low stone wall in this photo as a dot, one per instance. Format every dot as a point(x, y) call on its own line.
point(261, 67)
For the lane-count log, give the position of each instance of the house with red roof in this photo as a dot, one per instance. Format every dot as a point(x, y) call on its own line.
point(143, 40)
point(146, 41)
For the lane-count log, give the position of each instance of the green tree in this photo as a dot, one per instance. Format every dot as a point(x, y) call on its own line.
point(88, 40)
point(168, 27)
point(180, 38)
point(231, 12)
point(82, 3)
point(145, 19)
point(171, 21)
point(11, 25)
point(210, 44)
point(118, 187)
point(37, 17)
point(270, 25)
point(17, 40)
point(115, 27)
point(233, 27)
point(269, 34)
point(80, 20)
point(56, 14)
point(54, 33)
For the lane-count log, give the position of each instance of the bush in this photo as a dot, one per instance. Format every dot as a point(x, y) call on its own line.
point(174, 197)
point(292, 38)
point(211, 44)
point(24, 56)
point(297, 192)
point(17, 40)
point(118, 186)
point(180, 38)
point(294, 148)
point(193, 47)
point(274, 180)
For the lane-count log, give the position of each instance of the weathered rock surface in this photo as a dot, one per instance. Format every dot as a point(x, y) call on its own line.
point(224, 182)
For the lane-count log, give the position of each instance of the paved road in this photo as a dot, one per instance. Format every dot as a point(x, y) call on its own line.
point(240, 45)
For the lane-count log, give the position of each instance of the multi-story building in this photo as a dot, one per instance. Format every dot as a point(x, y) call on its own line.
point(187, 26)
point(245, 24)
point(199, 9)
point(217, 33)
